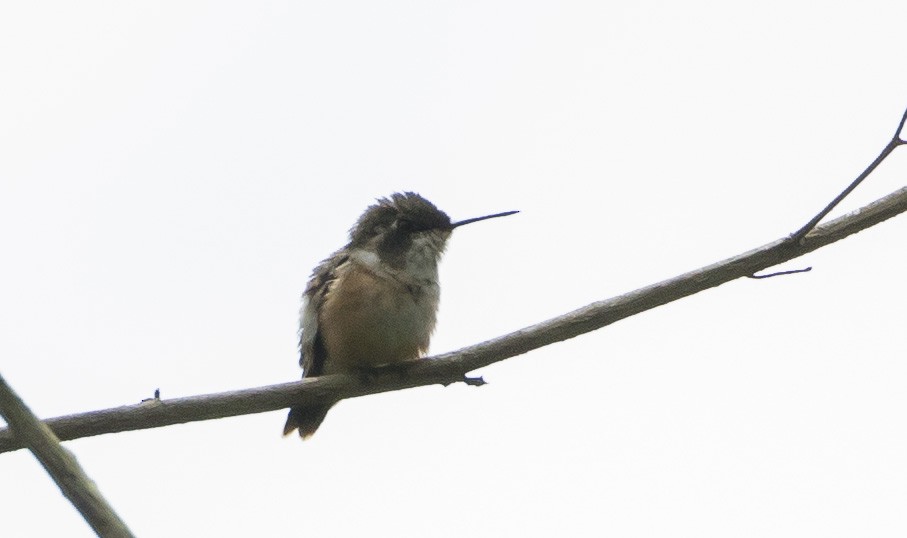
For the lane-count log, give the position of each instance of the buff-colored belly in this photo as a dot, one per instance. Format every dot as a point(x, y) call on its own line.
point(367, 321)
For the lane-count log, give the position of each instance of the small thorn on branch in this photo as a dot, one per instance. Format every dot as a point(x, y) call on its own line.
point(157, 397)
point(779, 273)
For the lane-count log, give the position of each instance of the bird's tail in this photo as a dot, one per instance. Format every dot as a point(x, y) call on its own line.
point(306, 420)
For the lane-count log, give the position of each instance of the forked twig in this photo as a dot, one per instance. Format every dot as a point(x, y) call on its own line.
point(796, 238)
point(895, 141)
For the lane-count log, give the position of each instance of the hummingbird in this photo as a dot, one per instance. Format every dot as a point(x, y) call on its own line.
point(373, 303)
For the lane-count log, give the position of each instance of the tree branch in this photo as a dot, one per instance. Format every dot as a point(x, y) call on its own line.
point(61, 465)
point(452, 367)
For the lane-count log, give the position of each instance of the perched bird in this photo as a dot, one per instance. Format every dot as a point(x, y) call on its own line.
point(373, 302)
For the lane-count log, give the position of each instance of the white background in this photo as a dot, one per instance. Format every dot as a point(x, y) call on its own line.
point(171, 172)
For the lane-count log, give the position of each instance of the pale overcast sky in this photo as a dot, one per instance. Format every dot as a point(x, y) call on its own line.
point(172, 171)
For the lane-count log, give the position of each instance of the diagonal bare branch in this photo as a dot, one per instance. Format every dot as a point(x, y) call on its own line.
point(452, 367)
point(61, 465)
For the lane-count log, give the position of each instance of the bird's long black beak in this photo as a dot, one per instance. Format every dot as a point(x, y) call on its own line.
point(477, 219)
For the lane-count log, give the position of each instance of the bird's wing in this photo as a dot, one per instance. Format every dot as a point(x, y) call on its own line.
point(312, 353)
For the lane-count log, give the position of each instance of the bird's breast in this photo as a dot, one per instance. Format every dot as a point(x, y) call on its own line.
point(372, 317)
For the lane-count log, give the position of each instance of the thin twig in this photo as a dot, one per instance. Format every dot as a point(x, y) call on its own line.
point(895, 141)
point(474, 381)
point(452, 367)
point(60, 464)
point(779, 273)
